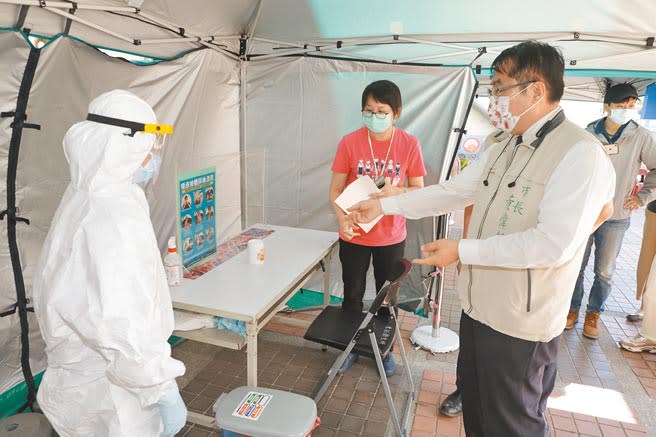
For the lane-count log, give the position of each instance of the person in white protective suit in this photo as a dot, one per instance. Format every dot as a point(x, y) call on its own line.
point(100, 291)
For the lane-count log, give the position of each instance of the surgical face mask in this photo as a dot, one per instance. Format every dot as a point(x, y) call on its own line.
point(622, 115)
point(375, 124)
point(498, 111)
point(144, 174)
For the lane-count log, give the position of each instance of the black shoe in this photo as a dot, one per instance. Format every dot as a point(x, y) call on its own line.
point(452, 405)
point(636, 317)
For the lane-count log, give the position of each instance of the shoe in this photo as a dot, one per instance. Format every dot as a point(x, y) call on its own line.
point(590, 328)
point(638, 344)
point(452, 405)
point(572, 318)
point(637, 317)
point(348, 362)
point(389, 365)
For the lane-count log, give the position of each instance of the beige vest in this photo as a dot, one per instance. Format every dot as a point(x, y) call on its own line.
point(530, 304)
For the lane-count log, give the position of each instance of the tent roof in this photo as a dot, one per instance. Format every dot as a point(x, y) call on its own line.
point(598, 38)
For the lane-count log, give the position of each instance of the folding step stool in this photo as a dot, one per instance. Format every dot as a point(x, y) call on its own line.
point(352, 331)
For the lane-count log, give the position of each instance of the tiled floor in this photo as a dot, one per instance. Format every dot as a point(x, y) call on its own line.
point(601, 390)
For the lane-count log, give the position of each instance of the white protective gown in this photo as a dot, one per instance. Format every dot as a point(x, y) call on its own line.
point(100, 291)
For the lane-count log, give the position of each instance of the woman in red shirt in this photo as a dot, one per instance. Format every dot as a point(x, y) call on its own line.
point(379, 148)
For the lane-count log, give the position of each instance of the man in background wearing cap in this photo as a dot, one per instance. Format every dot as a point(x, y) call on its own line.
point(627, 144)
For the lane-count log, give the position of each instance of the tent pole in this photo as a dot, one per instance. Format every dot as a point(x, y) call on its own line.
point(186, 39)
point(442, 55)
point(330, 48)
point(242, 145)
point(295, 45)
point(220, 50)
point(637, 41)
point(89, 24)
point(67, 6)
point(434, 43)
point(581, 62)
point(346, 56)
point(174, 28)
point(251, 26)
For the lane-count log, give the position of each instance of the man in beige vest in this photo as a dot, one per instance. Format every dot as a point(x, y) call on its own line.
point(537, 196)
point(452, 405)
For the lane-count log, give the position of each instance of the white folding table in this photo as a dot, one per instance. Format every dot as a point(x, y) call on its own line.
point(255, 293)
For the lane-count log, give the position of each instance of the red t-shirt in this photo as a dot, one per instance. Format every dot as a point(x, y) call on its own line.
point(404, 160)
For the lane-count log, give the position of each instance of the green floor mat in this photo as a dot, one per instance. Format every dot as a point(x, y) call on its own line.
point(15, 397)
point(308, 298)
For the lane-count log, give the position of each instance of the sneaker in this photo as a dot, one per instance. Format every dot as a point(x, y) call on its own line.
point(590, 328)
point(638, 344)
point(348, 362)
point(389, 365)
point(572, 318)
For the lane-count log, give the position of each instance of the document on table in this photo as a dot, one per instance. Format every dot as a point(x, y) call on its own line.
point(356, 191)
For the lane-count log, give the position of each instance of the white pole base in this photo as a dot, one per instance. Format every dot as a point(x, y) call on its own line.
point(446, 340)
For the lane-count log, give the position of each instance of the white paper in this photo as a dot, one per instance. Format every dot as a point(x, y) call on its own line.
point(187, 321)
point(357, 191)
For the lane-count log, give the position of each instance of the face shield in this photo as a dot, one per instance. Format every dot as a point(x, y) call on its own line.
point(150, 167)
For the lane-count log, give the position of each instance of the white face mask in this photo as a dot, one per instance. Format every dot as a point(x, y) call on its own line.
point(499, 113)
point(622, 115)
point(144, 174)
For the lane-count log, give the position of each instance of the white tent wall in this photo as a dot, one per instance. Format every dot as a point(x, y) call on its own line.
point(297, 110)
point(198, 93)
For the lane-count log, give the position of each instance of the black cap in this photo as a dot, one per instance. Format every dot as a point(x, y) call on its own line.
point(620, 92)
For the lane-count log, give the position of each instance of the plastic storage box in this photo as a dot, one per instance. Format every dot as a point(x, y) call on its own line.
point(265, 412)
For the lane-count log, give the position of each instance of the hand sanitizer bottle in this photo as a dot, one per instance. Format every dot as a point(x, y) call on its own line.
point(173, 264)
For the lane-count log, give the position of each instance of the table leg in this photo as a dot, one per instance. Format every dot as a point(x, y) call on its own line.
point(326, 285)
point(326, 279)
point(251, 354)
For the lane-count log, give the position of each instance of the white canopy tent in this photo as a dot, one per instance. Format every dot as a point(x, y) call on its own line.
point(263, 90)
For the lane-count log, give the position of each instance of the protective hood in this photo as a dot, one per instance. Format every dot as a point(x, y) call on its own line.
point(101, 156)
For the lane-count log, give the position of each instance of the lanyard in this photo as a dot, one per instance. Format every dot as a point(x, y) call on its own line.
point(371, 149)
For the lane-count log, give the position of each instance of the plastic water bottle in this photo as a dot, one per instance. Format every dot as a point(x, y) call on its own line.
point(173, 264)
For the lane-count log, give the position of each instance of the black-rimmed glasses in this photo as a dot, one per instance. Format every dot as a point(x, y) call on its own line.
point(379, 115)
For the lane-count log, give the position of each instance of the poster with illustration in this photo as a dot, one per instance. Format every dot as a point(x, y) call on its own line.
point(471, 147)
point(196, 209)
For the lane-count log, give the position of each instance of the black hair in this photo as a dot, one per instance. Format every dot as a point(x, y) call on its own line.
point(383, 91)
point(534, 61)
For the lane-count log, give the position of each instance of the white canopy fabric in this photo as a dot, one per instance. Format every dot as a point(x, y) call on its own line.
point(597, 37)
point(264, 89)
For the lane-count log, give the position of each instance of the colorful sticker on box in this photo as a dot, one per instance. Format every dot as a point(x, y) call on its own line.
point(252, 406)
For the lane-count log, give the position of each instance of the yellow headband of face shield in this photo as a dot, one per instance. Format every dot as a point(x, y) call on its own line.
point(159, 129)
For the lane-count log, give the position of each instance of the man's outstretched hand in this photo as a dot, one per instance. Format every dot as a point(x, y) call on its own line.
point(365, 211)
point(439, 253)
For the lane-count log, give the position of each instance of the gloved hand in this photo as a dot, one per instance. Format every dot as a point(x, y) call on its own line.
point(173, 412)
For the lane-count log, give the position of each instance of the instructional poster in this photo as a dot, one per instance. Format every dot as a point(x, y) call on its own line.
point(196, 221)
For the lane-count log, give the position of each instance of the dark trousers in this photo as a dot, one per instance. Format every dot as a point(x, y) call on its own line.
point(504, 381)
point(355, 263)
